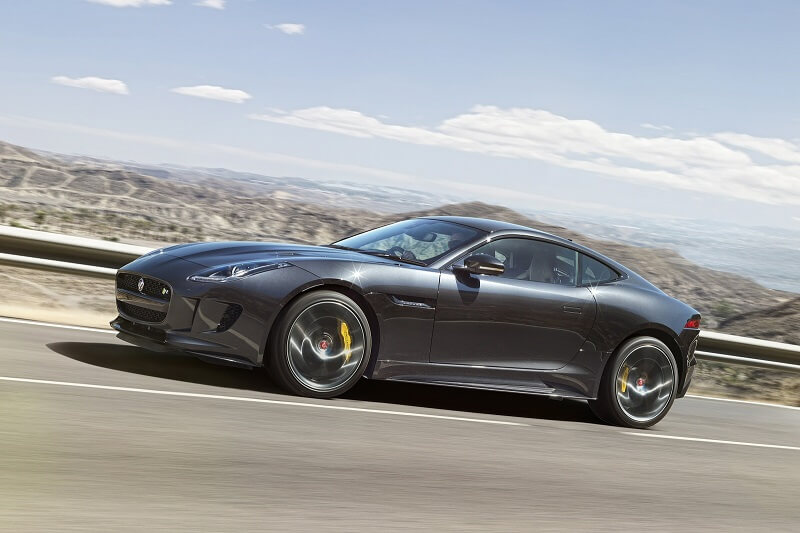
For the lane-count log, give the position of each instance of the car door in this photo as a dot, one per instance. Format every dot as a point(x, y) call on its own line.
point(532, 316)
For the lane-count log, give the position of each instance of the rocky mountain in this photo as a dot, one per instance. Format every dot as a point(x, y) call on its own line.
point(144, 204)
point(375, 197)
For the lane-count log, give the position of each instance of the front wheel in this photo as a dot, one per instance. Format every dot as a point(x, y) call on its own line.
point(639, 384)
point(320, 346)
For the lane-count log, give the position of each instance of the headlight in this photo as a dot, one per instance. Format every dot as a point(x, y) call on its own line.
point(238, 270)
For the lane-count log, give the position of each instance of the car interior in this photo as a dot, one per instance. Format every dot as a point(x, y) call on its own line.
point(531, 260)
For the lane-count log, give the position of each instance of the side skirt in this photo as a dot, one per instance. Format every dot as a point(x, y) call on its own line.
point(546, 383)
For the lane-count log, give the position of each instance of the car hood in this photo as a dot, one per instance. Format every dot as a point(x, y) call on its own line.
point(210, 254)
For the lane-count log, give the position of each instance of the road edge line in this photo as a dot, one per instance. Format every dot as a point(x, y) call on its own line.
point(258, 400)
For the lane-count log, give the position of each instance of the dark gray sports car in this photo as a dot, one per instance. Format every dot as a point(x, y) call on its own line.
point(464, 302)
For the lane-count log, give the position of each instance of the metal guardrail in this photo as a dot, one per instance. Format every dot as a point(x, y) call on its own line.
point(20, 242)
point(51, 265)
point(61, 253)
point(725, 348)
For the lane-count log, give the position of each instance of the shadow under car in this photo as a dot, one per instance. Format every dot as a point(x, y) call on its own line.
point(181, 367)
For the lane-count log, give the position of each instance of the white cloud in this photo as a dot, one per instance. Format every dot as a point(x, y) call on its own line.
point(132, 3)
point(214, 4)
point(662, 127)
point(288, 29)
point(775, 148)
point(715, 164)
point(91, 82)
point(214, 92)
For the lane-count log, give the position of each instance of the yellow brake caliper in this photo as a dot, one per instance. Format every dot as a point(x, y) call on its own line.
point(344, 330)
point(624, 380)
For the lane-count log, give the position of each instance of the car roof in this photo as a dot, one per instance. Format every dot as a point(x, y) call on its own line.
point(493, 226)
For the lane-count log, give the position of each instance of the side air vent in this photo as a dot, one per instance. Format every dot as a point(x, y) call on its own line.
point(231, 315)
point(410, 301)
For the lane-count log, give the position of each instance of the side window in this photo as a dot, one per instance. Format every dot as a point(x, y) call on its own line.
point(566, 265)
point(532, 260)
point(594, 272)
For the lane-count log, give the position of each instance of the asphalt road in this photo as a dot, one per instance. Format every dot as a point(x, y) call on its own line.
point(99, 435)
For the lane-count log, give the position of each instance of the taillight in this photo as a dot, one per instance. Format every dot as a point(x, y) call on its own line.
point(692, 323)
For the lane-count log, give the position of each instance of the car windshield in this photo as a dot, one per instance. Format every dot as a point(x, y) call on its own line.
point(420, 241)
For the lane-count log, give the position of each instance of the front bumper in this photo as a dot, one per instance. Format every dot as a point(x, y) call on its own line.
point(158, 340)
point(226, 321)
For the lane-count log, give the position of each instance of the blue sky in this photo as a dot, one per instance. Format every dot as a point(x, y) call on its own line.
point(672, 109)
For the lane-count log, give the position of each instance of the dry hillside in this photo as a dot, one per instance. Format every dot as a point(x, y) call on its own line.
point(779, 323)
point(112, 202)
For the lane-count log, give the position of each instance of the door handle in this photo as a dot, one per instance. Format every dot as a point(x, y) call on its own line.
point(572, 309)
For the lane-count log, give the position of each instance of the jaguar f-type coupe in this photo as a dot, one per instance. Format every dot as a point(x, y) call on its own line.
point(456, 301)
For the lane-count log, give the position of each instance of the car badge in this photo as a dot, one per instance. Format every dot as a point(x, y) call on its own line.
point(140, 285)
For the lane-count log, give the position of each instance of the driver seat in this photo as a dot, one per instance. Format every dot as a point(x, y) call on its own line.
point(542, 268)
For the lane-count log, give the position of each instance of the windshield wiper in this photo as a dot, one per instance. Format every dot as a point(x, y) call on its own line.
point(377, 253)
point(395, 257)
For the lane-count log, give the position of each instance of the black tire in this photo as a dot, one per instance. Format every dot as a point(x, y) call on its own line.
point(640, 396)
point(312, 353)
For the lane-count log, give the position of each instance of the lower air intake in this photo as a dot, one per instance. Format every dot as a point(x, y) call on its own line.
point(141, 313)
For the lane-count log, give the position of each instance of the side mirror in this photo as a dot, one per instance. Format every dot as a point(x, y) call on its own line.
point(481, 264)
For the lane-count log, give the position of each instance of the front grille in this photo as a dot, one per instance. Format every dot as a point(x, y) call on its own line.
point(141, 313)
point(152, 287)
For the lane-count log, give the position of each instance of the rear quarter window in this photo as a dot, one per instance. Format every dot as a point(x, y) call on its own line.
point(593, 272)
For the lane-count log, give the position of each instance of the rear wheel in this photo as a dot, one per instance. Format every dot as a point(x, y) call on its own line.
point(639, 384)
point(320, 346)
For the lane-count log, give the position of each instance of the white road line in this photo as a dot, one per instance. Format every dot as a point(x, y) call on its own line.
point(765, 404)
point(713, 441)
point(51, 325)
point(259, 400)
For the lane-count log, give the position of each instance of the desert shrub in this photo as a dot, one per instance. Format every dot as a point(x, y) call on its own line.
point(723, 309)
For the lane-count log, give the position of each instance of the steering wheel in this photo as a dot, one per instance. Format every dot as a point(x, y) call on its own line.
point(402, 253)
point(396, 250)
point(561, 277)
